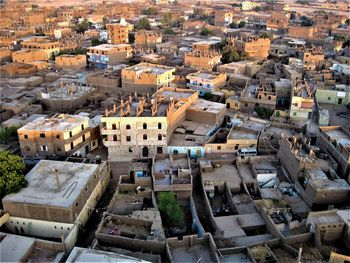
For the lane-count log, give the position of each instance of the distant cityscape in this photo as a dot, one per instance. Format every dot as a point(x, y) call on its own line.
point(175, 131)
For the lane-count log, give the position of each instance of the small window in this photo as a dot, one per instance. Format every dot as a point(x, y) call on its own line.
point(76, 204)
point(27, 148)
point(329, 98)
point(128, 126)
point(115, 138)
point(144, 126)
point(44, 148)
point(58, 136)
point(42, 135)
point(130, 150)
point(59, 148)
point(294, 114)
point(71, 145)
point(25, 136)
point(83, 137)
point(144, 137)
point(159, 125)
point(114, 126)
point(159, 137)
point(70, 134)
point(82, 127)
point(128, 138)
point(219, 147)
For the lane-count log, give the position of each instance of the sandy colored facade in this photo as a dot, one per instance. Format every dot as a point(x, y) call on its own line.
point(278, 20)
point(18, 70)
point(107, 54)
point(5, 54)
point(147, 38)
point(312, 58)
point(146, 78)
point(223, 18)
point(119, 33)
point(254, 47)
point(28, 55)
point(34, 19)
point(61, 135)
point(134, 130)
point(50, 47)
point(206, 82)
point(71, 61)
point(202, 60)
point(301, 32)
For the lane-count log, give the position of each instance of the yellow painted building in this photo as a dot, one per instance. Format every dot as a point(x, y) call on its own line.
point(146, 77)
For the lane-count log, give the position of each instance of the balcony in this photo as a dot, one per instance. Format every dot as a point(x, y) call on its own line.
point(108, 143)
point(105, 131)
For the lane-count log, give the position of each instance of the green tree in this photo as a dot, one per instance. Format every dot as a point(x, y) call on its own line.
point(169, 31)
point(242, 24)
point(143, 23)
point(6, 133)
point(346, 43)
point(151, 11)
point(233, 25)
point(263, 112)
point(95, 42)
point(206, 31)
point(11, 173)
point(104, 22)
point(170, 208)
point(166, 19)
point(83, 26)
point(264, 35)
point(306, 21)
point(230, 54)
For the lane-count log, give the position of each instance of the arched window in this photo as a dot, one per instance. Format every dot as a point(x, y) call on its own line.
point(159, 125)
point(128, 127)
point(159, 137)
point(145, 137)
point(144, 126)
point(115, 138)
point(114, 126)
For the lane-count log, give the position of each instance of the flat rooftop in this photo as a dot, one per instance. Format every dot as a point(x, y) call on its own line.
point(192, 254)
point(67, 92)
point(147, 68)
point(204, 75)
point(207, 106)
point(226, 173)
point(79, 254)
point(108, 47)
point(62, 122)
point(163, 97)
point(13, 248)
point(54, 183)
point(337, 134)
point(242, 134)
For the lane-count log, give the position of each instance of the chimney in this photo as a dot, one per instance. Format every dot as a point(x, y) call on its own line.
point(106, 112)
point(130, 99)
point(154, 107)
point(139, 109)
point(57, 180)
point(114, 108)
point(127, 110)
point(121, 108)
